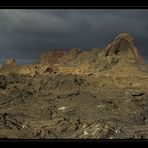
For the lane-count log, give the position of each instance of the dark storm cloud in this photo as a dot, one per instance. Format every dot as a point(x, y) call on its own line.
point(25, 34)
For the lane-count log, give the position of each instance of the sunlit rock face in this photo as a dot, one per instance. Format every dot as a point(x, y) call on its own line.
point(10, 62)
point(51, 57)
point(121, 52)
point(123, 46)
point(9, 65)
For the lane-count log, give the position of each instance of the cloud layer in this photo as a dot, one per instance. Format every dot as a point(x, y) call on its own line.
point(25, 34)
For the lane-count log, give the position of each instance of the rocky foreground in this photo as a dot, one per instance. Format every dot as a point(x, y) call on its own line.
point(100, 93)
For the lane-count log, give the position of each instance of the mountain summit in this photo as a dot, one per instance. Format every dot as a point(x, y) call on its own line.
point(124, 47)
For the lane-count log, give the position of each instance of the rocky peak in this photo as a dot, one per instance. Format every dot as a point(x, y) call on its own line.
point(9, 65)
point(10, 61)
point(123, 46)
point(51, 57)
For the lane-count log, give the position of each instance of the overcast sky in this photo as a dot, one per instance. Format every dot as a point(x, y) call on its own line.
point(25, 34)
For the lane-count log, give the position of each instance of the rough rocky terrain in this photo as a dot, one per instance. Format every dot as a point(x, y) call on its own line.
point(95, 94)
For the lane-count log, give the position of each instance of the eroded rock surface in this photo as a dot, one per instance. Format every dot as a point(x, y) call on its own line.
point(100, 93)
